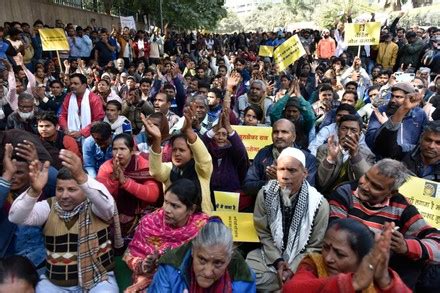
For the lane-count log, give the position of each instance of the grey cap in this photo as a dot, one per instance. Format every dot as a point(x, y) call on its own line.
point(404, 86)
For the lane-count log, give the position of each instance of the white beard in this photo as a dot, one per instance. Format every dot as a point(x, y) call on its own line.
point(285, 193)
point(26, 116)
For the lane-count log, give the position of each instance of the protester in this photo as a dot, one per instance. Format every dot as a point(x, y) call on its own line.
point(351, 261)
point(207, 263)
point(290, 217)
point(128, 179)
point(81, 209)
point(176, 223)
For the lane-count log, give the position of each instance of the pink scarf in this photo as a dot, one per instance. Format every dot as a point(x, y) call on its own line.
point(153, 234)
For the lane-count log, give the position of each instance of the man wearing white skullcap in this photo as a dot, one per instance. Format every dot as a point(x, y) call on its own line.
point(290, 217)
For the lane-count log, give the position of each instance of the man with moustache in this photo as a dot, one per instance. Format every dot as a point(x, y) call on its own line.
point(412, 122)
point(290, 218)
point(375, 200)
point(24, 116)
point(424, 160)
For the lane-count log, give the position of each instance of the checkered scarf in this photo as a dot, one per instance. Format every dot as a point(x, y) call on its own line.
point(302, 222)
point(91, 271)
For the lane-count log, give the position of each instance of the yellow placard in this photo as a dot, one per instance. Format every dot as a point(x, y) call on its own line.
point(288, 52)
point(254, 138)
point(53, 39)
point(266, 51)
point(226, 201)
point(425, 196)
point(358, 34)
point(241, 224)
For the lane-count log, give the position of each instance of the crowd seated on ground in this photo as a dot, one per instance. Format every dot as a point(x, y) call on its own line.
point(112, 157)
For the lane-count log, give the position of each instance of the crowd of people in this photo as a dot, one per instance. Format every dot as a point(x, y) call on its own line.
point(115, 152)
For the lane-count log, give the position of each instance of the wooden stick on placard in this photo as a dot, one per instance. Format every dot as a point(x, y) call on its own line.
point(59, 61)
point(359, 51)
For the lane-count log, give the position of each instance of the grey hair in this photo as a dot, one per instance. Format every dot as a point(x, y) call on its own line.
point(261, 83)
point(291, 124)
point(432, 126)
point(200, 98)
point(395, 170)
point(25, 96)
point(213, 234)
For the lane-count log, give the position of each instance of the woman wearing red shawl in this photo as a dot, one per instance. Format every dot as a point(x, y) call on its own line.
point(351, 261)
point(176, 223)
point(128, 179)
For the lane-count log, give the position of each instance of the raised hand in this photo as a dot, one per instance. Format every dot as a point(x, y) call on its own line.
point(151, 129)
point(190, 115)
point(38, 175)
point(412, 101)
point(351, 143)
point(9, 166)
point(72, 162)
point(18, 59)
point(381, 117)
point(27, 151)
point(381, 275)
point(333, 149)
point(233, 81)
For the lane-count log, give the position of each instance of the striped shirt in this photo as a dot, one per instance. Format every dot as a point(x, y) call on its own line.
point(423, 241)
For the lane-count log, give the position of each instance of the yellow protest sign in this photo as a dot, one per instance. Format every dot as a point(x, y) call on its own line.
point(241, 224)
point(53, 39)
point(266, 51)
point(425, 196)
point(226, 201)
point(254, 138)
point(359, 34)
point(288, 52)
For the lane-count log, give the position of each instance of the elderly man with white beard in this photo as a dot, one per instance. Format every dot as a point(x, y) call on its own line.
point(291, 218)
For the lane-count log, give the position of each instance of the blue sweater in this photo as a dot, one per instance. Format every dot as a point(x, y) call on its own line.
point(172, 275)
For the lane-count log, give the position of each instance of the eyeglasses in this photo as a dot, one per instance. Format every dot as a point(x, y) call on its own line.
point(419, 86)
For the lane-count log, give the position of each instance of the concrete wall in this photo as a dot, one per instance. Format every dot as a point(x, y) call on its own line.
point(31, 10)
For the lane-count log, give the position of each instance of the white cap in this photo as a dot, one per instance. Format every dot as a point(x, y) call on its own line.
point(294, 153)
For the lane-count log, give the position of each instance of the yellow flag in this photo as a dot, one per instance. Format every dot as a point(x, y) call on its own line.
point(254, 138)
point(226, 201)
point(53, 39)
point(359, 34)
point(288, 52)
point(265, 51)
point(241, 224)
point(425, 196)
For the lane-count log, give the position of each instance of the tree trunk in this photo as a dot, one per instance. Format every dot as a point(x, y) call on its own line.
point(108, 4)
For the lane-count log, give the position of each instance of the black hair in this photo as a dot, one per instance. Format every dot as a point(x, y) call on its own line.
point(169, 86)
point(218, 93)
point(127, 138)
point(64, 174)
point(203, 85)
point(386, 71)
point(146, 80)
point(56, 81)
point(360, 237)
point(18, 267)
point(410, 35)
point(82, 77)
point(187, 192)
point(346, 107)
point(103, 128)
point(351, 117)
point(223, 66)
point(47, 116)
point(351, 83)
point(325, 87)
point(37, 22)
point(257, 110)
point(115, 103)
point(356, 97)
point(372, 88)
